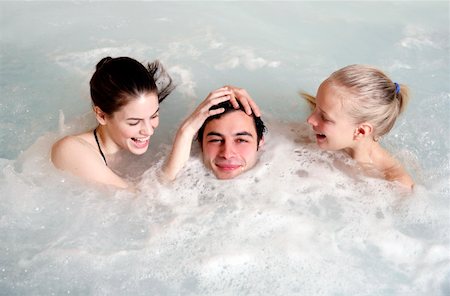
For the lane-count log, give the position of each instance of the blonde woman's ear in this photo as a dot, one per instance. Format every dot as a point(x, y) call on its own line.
point(100, 115)
point(363, 130)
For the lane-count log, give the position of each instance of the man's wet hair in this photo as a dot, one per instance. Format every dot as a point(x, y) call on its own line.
point(259, 124)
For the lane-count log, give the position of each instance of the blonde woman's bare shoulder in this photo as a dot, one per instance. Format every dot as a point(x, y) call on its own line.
point(398, 174)
point(394, 171)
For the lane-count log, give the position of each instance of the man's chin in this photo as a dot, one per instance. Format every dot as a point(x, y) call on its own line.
point(226, 175)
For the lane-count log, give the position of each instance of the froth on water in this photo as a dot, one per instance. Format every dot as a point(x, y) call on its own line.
point(303, 221)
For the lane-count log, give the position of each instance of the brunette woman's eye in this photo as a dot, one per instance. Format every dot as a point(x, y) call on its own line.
point(156, 115)
point(133, 123)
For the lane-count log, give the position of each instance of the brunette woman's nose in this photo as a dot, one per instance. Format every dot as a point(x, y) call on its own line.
point(147, 129)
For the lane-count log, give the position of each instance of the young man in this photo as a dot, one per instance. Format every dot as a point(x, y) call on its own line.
point(230, 141)
point(229, 136)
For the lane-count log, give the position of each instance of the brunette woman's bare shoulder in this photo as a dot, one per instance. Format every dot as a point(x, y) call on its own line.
point(70, 148)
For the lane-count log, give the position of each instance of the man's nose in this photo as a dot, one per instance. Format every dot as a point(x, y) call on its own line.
point(227, 150)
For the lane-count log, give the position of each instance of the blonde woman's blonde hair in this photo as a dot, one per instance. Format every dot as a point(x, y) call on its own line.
point(373, 96)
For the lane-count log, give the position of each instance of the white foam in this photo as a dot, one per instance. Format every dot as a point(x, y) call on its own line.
point(302, 222)
point(418, 37)
point(185, 82)
point(237, 56)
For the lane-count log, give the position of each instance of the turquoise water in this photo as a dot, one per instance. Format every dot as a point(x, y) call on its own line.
point(300, 223)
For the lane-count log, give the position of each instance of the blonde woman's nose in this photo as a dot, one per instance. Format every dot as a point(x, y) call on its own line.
point(311, 119)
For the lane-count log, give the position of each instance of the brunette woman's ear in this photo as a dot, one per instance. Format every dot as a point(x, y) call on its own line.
point(100, 115)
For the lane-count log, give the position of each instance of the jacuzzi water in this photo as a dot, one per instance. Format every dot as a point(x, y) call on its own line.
point(302, 222)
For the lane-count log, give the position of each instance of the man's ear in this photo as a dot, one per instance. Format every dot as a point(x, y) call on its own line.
point(261, 142)
point(363, 130)
point(100, 115)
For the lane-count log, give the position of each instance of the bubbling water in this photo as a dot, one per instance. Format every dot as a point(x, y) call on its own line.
point(281, 228)
point(301, 222)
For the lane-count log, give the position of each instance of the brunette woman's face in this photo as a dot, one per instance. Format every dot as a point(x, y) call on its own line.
point(133, 124)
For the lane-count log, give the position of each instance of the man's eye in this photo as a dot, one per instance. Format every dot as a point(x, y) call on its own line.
point(214, 140)
point(241, 141)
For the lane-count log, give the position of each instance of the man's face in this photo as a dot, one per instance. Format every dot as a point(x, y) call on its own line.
point(230, 145)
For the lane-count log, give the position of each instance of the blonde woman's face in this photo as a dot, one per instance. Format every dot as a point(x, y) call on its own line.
point(333, 127)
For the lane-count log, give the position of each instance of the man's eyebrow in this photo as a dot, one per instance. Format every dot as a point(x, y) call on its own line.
point(244, 134)
point(214, 134)
point(238, 134)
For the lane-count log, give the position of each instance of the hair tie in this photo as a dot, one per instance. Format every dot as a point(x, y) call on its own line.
point(397, 88)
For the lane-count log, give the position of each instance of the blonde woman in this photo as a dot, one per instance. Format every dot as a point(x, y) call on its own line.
point(353, 108)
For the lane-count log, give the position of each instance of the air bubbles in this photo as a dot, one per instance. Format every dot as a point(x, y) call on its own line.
point(302, 173)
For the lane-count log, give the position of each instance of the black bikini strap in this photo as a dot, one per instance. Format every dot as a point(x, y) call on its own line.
point(98, 144)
